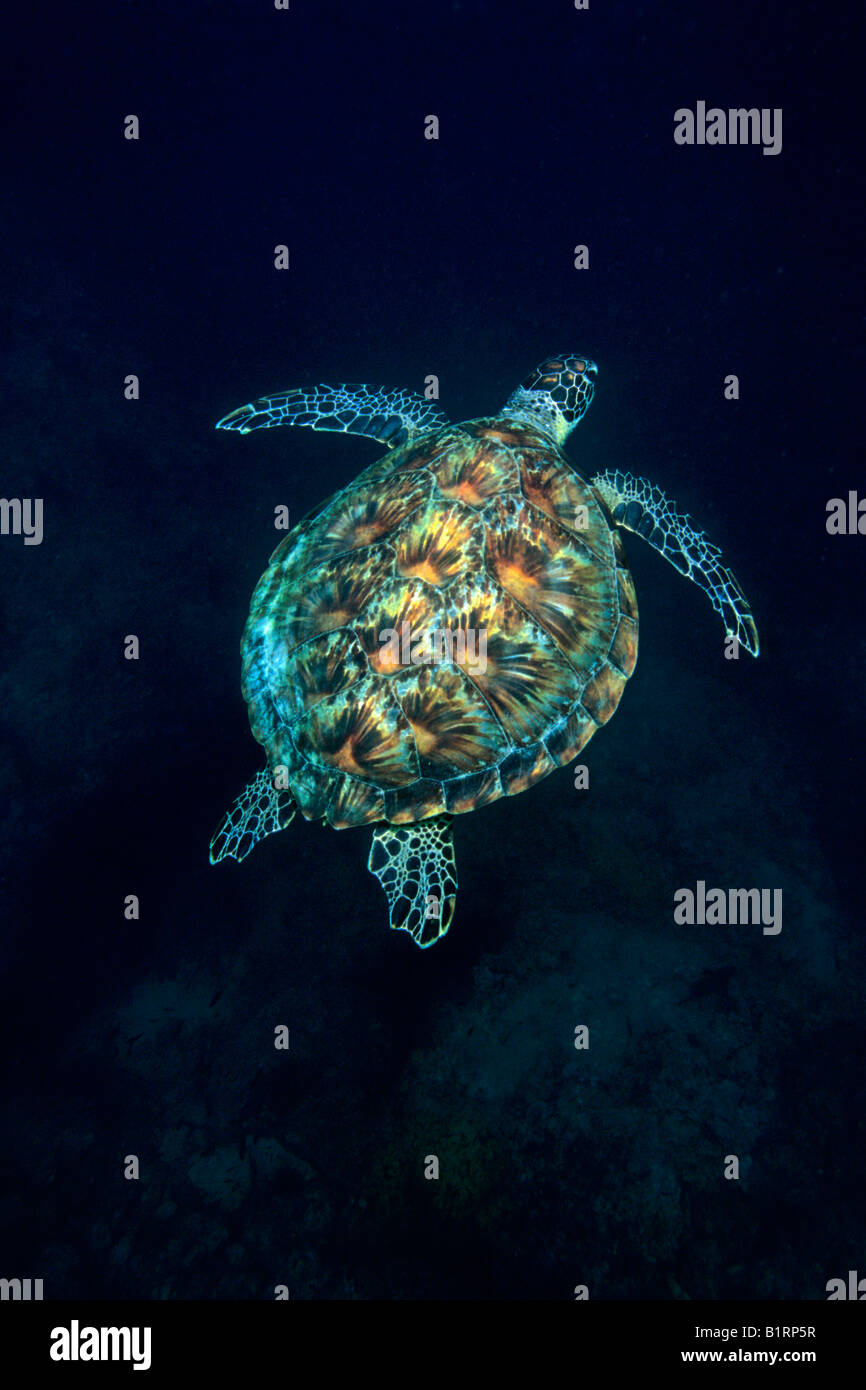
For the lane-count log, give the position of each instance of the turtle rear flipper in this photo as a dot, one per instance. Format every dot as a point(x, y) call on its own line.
point(415, 865)
point(391, 417)
point(261, 809)
point(639, 506)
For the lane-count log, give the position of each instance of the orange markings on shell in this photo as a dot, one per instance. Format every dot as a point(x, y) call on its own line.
point(476, 531)
point(603, 692)
point(623, 648)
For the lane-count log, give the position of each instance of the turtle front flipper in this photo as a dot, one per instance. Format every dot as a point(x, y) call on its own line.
point(261, 809)
point(391, 417)
point(639, 506)
point(415, 865)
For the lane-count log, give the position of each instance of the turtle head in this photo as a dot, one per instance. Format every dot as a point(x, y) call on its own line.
point(556, 395)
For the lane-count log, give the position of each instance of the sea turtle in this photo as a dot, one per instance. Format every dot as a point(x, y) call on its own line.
point(450, 627)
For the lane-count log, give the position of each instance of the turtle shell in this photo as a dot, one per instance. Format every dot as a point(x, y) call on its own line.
point(444, 631)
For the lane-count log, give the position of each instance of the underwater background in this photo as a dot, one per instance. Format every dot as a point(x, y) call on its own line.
point(155, 1037)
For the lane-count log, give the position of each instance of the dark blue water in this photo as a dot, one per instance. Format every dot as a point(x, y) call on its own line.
point(154, 1037)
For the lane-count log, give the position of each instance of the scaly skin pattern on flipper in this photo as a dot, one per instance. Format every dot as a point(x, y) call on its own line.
point(415, 866)
point(479, 528)
point(379, 412)
point(261, 809)
point(641, 507)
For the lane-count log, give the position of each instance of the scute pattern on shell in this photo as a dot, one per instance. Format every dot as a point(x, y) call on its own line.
point(482, 527)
